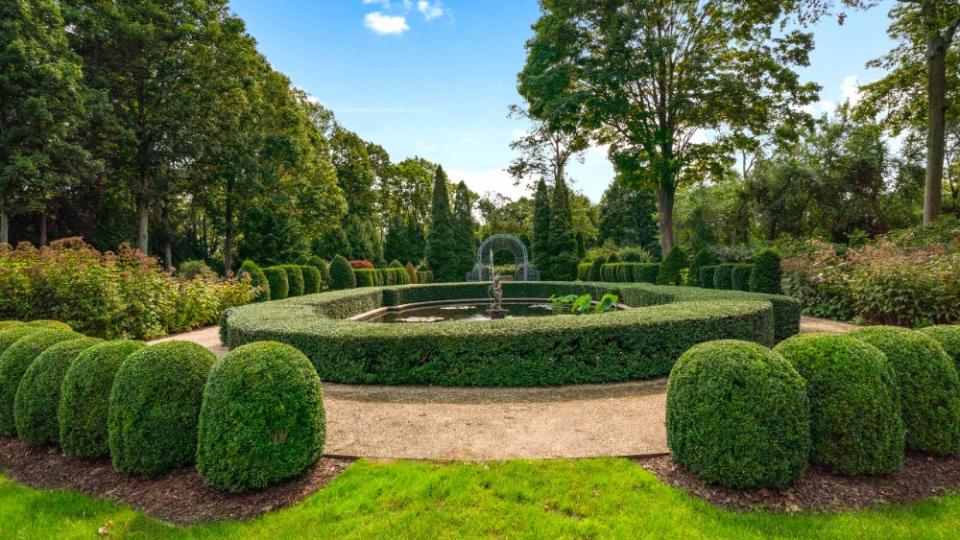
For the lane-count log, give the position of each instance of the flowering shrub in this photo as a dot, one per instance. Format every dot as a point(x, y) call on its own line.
point(122, 294)
point(361, 263)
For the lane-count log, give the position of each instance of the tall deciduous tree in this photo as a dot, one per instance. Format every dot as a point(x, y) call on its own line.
point(647, 77)
point(541, 223)
point(441, 253)
point(546, 150)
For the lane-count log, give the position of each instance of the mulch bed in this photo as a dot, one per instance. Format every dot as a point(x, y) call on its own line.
point(177, 497)
point(818, 490)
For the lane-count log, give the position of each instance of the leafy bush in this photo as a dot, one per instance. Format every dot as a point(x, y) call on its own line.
point(155, 406)
point(294, 280)
point(596, 269)
point(766, 274)
point(704, 257)
point(341, 274)
point(38, 395)
point(193, 269)
point(708, 275)
point(279, 282)
point(85, 398)
point(635, 255)
point(740, 277)
point(257, 280)
point(311, 279)
point(671, 267)
point(738, 415)
point(411, 273)
point(722, 276)
point(929, 388)
point(855, 424)
point(948, 336)
point(262, 418)
point(14, 363)
point(361, 263)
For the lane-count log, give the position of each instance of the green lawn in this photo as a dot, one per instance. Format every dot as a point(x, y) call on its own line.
point(595, 498)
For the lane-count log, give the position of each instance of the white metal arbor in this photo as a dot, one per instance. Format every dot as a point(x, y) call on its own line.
point(483, 271)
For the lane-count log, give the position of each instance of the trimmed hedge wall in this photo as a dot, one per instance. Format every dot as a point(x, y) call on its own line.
point(629, 272)
point(294, 279)
point(704, 257)
point(14, 363)
point(312, 280)
point(707, 275)
point(583, 271)
point(722, 277)
point(566, 349)
point(279, 283)
point(262, 418)
point(740, 277)
point(671, 268)
point(767, 275)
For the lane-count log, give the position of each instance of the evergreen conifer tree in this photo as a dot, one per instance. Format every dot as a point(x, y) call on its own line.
point(541, 224)
point(561, 261)
point(441, 252)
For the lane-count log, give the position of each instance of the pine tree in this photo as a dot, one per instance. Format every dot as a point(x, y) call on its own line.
point(561, 261)
point(441, 253)
point(465, 228)
point(541, 224)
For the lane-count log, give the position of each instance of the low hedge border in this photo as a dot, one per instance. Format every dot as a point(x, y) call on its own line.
point(619, 346)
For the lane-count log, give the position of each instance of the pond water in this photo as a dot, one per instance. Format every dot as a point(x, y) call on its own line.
point(460, 312)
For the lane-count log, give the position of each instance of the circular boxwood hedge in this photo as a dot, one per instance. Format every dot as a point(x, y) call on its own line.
point(341, 274)
point(279, 283)
point(155, 406)
point(311, 279)
point(262, 418)
point(855, 424)
point(38, 396)
point(257, 279)
point(85, 398)
point(14, 363)
point(738, 415)
point(294, 279)
point(13, 333)
point(928, 384)
point(948, 336)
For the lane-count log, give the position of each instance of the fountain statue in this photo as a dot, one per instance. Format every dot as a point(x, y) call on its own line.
point(496, 310)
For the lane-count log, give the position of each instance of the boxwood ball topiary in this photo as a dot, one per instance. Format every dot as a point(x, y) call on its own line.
point(279, 284)
point(948, 336)
point(85, 398)
point(10, 336)
point(928, 384)
point(766, 275)
point(341, 274)
point(671, 267)
point(155, 406)
point(262, 418)
point(294, 279)
point(855, 424)
point(257, 279)
point(50, 324)
point(8, 324)
point(738, 415)
point(38, 396)
point(14, 363)
point(311, 279)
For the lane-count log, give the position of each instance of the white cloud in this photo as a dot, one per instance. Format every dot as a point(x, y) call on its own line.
point(851, 89)
point(386, 24)
point(489, 181)
point(820, 108)
point(429, 10)
point(385, 4)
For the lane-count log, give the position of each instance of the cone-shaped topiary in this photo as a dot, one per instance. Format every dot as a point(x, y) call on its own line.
point(707, 276)
point(38, 396)
point(257, 279)
point(279, 284)
point(855, 424)
point(311, 279)
point(155, 406)
point(596, 269)
point(85, 398)
point(766, 275)
point(14, 363)
point(738, 415)
point(722, 277)
point(294, 279)
point(341, 274)
point(704, 257)
point(948, 336)
point(262, 418)
point(929, 388)
point(671, 267)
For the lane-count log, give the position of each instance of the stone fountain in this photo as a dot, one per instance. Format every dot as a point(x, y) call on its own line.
point(496, 310)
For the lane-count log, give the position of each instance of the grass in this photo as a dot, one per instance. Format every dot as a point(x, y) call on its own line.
point(594, 498)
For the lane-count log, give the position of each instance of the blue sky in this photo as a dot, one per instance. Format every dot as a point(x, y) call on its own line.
point(434, 78)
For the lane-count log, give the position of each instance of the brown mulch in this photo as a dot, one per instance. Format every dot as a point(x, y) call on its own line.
point(820, 491)
point(177, 497)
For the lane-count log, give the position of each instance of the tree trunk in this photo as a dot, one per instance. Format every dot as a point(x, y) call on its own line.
point(4, 227)
point(228, 232)
point(936, 126)
point(665, 198)
point(43, 227)
point(143, 212)
point(167, 255)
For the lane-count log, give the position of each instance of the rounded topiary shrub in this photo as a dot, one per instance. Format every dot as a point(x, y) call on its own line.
point(257, 279)
point(8, 324)
point(324, 269)
point(704, 257)
point(50, 324)
point(722, 276)
point(707, 274)
point(294, 279)
point(14, 363)
point(596, 269)
point(10, 336)
point(738, 415)
point(928, 384)
point(85, 398)
point(948, 336)
point(155, 406)
point(766, 275)
point(740, 277)
point(262, 418)
point(311, 279)
point(671, 267)
point(279, 284)
point(38, 396)
point(341, 274)
point(855, 424)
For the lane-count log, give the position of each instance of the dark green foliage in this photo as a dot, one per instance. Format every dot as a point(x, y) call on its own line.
point(740, 277)
point(766, 274)
point(583, 271)
point(704, 257)
point(630, 272)
point(855, 424)
point(560, 262)
point(311, 279)
point(38, 395)
point(596, 269)
point(646, 272)
point(540, 246)
point(14, 363)
point(155, 406)
point(627, 216)
point(257, 279)
point(442, 250)
point(671, 267)
point(85, 398)
point(464, 229)
point(9, 336)
point(738, 416)
point(279, 282)
point(367, 277)
point(341, 274)
point(948, 336)
point(929, 388)
point(723, 277)
point(324, 269)
point(395, 264)
point(613, 258)
point(294, 280)
point(262, 419)
point(707, 276)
